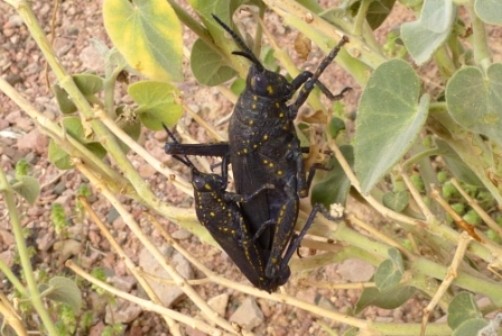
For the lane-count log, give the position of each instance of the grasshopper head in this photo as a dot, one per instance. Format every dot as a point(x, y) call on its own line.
point(206, 182)
point(265, 83)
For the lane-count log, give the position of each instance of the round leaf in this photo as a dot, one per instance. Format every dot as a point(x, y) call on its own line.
point(88, 84)
point(471, 327)
point(74, 127)
point(389, 120)
point(336, 186)
point(157, 103)
point(427, 34)
point(463, 307)
point(96, 148)
point(28, 187)
point(208, 66)
point(335, 126)
point(58, 157)
point(474, 100)
point(65, 290)
point(150, 93)
point(397, 201)
point(148, 34)
point(65, 104)
point(153, 118)
point(391, 299)
point(378, 11)
point(490, 11)
point(389, 273)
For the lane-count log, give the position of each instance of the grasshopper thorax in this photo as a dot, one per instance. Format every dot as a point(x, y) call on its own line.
point(265, 83)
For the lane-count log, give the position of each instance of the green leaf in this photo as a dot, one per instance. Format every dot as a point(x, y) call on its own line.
point(58, 157)
point(474, 100)
point(96, 148)
point(462, 308)
point(129, 123)
point(209, 67)
point(238, 86)
point(424, 36)
point(490, 11)
point(456, 165)
point(387, 299)
point(335, 126)
point(22, 168)
point(74, 127)
point(389, 120)
point(471, 327)
point(28, 187)
point(397, 201)
point(149, 36)
point(64, 290)
point(389, 273)
point(88, 84)
point(65, 104)
point(157, 103)
point(335, 187)
point(378, 11)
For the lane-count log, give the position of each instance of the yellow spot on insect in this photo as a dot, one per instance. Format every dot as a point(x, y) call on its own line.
point(251, 121)
point(207, 186)
point(212, 214)
point(253, 106)
point(270, 89)
point(281, 115)
point(270, 164)
point(280, 172)
point(255, 146)
point(255, 97)
point(245, 150)
point(265, 161)
point(265, 137)
point(277, 105)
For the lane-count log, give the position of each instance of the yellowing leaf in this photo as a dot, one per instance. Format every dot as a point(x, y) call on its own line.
point(148, 34)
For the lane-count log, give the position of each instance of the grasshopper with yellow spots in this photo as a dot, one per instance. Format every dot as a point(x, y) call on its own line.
point(219, 212)
point(263, 149)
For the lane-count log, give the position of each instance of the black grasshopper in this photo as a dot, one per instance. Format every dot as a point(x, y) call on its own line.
point(220, 213)
point(264, 149)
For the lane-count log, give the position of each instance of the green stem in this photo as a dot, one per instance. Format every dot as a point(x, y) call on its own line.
point(65, 141)
point(482, 55)
point(402, 329)
point(295, 15)
point(184, 218)
point(109, 89)
point(445, 63)
point(188, 21)
point(466, 281)
point(24, 256)
point(13, 279)
point(360, 18)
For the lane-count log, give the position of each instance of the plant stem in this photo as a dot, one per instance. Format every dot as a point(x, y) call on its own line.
point(12, 278)
point(360, 18)
point(141, 187)
point(482, 55)
point(469, 282)
point(24, 256)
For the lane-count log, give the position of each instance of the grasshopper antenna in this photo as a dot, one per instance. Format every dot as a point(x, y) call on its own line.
point(245, 51)
point(185, 160)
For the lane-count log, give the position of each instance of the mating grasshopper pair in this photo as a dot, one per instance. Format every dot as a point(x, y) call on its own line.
point(255, 225)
